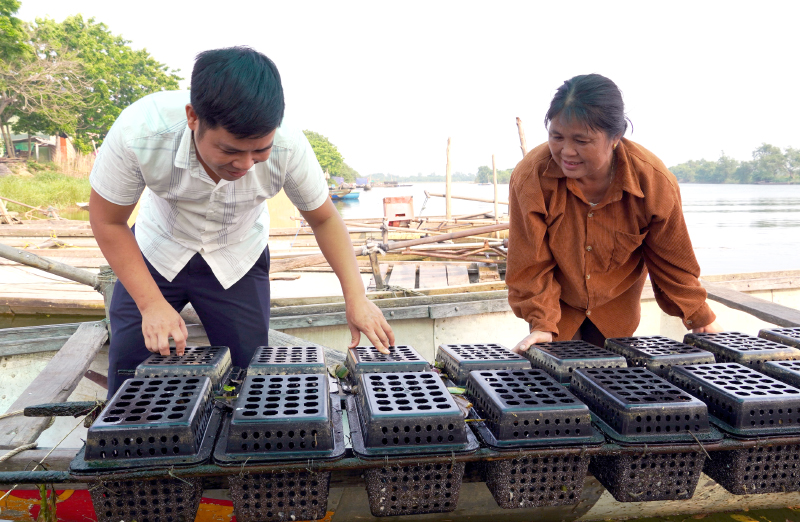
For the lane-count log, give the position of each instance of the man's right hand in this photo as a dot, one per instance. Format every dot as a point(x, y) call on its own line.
point(535, 337)
point(160, 322)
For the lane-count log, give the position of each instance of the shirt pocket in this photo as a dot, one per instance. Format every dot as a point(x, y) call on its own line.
point(624, 246)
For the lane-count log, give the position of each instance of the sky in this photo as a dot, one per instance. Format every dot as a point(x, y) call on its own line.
point(389, 82)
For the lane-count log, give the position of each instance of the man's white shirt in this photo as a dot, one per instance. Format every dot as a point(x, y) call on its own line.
point(184, 212)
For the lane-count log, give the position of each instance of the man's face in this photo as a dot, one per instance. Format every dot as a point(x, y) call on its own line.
point(223, 155)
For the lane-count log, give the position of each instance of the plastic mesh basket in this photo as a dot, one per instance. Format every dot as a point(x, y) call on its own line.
point(765, 469)
point(162, 500)
point(740, 348)
point(414, 489)
point(366, 359)
point(561, 358)
point(787, 336)
point(460, 359)
point(532, 481)
point(657, 353)
point(639, 405)
point(278, 497)
point(784, 371)
point(649, 477)
point(287, 360)
point(744, 401)
point(527, 406)
point(152, 418)
point(213, 362)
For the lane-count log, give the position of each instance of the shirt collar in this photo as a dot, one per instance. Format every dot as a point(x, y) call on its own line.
point(183, 154)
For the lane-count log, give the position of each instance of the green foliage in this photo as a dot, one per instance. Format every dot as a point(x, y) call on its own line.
point(327, 154)
point(119, 75)
point(348, 173)
point(13, 37)
point(485, 175)
point(44, 189)
point(769, 165)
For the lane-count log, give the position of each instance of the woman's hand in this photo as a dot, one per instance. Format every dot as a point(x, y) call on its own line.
point(535, 337)
point(364, 317)
point(710, 328)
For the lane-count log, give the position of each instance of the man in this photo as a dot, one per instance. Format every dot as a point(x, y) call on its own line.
point(210, 158)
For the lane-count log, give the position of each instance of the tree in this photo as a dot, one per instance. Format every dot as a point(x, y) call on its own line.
point(348, 173)
point(327, 154)
point(769, 164)
point(484, 175)
point(13, 37)
point(119, 75)
point(792, 162)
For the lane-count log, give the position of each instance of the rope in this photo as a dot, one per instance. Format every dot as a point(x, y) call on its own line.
point(370, 247)
point(11, 414)
point(13, 452)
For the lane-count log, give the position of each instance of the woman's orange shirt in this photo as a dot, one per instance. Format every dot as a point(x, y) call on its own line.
point(568, 260)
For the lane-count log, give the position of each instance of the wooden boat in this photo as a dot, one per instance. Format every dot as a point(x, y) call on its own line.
point(344, 193)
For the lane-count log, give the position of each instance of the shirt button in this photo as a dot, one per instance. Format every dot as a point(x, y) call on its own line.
point(688, 321)
point(591, 214)
point(588, 248)
point(588, 276)
point(588, 312)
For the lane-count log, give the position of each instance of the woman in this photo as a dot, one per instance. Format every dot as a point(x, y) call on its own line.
point(591, 213)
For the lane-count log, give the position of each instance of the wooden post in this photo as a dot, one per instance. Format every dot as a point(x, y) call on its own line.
point(522, 144)
point(106, 280)
point(49, 265)
point(376, 270)
point(496, 211)
point(448, 213)
point(29, 146)
point(36, 145)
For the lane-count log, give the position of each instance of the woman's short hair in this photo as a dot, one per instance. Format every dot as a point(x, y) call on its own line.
point(238, 89)
point(591, 99)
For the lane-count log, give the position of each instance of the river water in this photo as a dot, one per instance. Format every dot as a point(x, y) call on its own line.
point(734, 228)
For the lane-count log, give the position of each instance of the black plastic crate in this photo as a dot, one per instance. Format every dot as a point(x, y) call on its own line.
point(528, 408)
point(784, 371)
point(287, 360)
point(657, 353)
point(213, 362)
point(162, 500)
point(530, 481)
point(149, 420)
point(765, 469)
point(280, 417)
point(412, 409)
point(741, 348)
point(649, 476)
point(280, 497)
point(367, 359)
point(743, 401)
point(561, 358)
point(639, 406)
point(460, 359)
point(787, 336)
point(414, 489)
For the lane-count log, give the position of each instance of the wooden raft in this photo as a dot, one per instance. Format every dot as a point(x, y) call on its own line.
point(424, 276)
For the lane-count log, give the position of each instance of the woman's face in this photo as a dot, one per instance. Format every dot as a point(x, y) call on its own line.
point(581, 152)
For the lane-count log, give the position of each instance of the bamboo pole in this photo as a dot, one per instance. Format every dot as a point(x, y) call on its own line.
point(496, 213)
point(48, 265)
point(447, 182)
point(482, 200)
point(522, 144)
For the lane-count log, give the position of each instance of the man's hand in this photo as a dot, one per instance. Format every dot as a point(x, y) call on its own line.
point(711, 328)
point(160, 322)
point(364, 317)
point(535, 337)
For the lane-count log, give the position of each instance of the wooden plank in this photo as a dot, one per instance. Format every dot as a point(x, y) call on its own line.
point(760, 308)
point(284, 323)
point(404, 276)
point(53, 384)
point(44, 344)
point(432, 276)
point(487, 272)
point(8, 335)
point(457, 275)
point(22, 231)
point(469, 308)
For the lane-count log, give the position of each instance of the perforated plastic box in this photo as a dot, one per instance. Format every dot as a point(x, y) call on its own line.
point(741, 348)
point(649, 476)
point(784, 371)
point(657, 353)
point(213, 362)
point(153, 419)
point(527, 407)
point(745, 402)
point(160, 500)
point(279, 497)
point(460, 359)
point(366, 359)
point(287, 360)
point(763, 469)
point(640, 406)
point(787, 336)
point(561, 358)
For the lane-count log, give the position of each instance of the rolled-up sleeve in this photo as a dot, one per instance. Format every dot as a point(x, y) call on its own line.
point(305, 183)
point(116, 175)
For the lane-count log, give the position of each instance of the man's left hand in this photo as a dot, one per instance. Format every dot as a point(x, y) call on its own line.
point(364, 317)
point(711, 328)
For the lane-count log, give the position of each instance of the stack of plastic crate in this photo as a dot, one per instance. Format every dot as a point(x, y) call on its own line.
point(366, 359)
point(527, 413)
point(637, 408)
point(213, 362)
point(748, 405)
point(406, 414)
point(658, 353)
point(561, 358)
point(281, 416)
point(787, 336)
point(460, 359)
point(741, 348)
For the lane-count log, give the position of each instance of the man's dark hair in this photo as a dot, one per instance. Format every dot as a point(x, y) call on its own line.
point(238, 89)
point(591, 99)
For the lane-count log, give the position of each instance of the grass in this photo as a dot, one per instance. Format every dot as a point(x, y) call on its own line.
point(45, 188)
